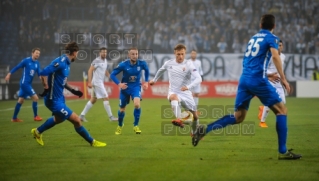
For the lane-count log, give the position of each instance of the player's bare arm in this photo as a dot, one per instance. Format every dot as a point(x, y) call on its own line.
point(273, 77)
point(44, 80)
point(122, 85)
point(278, 64)
point(7, 78)
point(107, 73)
point(90, 72)
point(145, 86)
point(152, 82)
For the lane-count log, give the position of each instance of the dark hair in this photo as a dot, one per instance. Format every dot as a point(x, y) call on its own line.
point(179, 47)
point(280, 41)
point(71, 47)
point(103, 48)
point(35, 49)
point(267, 21)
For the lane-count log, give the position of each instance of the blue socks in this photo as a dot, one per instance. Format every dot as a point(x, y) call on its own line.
point(281, 128)
point(35, 108)
point(137, 114)
point(222, 122)
point(49, 123)
point(84, 133)
point(16, 110)
point(121, 117)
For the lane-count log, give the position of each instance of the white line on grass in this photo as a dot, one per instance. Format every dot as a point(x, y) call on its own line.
point(39, 105)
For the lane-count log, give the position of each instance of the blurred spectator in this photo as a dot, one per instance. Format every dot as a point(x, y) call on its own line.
point(222, 45)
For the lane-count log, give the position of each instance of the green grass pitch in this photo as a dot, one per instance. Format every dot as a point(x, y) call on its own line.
point(152, 155)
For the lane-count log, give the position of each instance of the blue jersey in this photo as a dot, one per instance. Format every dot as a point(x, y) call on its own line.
point(257, 55)
point(131, 73)
point(30, 67)
point(57, 73)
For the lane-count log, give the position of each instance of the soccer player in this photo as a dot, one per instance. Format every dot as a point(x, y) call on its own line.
point(130, 86)
point(54, 79)
point(198, 65)
point(273, 74)
point(180, 73)
point(254, 82)
point(30, 66)
point(98, 68)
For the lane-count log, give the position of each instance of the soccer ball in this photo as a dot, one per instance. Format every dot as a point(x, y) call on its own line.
point(187, 117)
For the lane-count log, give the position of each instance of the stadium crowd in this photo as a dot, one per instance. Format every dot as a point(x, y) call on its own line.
point(210, 26)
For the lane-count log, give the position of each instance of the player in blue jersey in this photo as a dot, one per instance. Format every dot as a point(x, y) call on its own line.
point(254, 82)
point(30, 66)
point(130, 86)
point(54, 79)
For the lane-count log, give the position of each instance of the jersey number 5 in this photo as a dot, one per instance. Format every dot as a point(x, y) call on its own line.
point(64, 112)
point(253, 44)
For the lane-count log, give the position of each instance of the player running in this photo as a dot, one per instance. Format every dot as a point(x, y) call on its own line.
point(30, 66)
point(54, 79)
point(99, 70)
point(130, 86)
point(254, 82)
point(180, 73)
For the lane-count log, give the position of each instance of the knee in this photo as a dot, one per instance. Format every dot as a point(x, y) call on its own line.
point(93, 100)
point(136, 105)
point(20, 100)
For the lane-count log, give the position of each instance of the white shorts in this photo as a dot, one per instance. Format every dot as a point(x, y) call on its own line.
point(185, 98)
point(196, 89)
point(280, 90)
point(99, 91)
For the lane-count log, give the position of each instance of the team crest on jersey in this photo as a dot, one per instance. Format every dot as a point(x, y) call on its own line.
point(138, 68)
point(184, 68)
point(56, 64)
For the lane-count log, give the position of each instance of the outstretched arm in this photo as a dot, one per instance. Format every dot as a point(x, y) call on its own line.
point(20, 65)
point(158, 74)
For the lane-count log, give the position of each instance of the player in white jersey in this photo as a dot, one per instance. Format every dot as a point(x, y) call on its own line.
point(180, 72)
point(98, 68)
point(198, 65)
point(274, 80)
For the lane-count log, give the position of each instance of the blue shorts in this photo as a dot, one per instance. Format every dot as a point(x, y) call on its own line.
point(129, 92)
point(25, 91)
point(249, 87)
point(58, 108)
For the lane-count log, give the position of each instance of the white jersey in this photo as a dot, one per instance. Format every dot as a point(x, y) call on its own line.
point(198, 65)
point(179, 74)
point(100, 66)
point(271, 66)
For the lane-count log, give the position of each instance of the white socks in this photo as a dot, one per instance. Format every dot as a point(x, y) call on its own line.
point(196, 101)
point(87, 108)
point(265, 114)
point(107, 108)
point(176, 108)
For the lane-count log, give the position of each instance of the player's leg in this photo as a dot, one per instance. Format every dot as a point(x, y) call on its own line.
point(80, 129)
point(176, 107)
point(136, 95)
point(35, 99)
point(242, 102)
point(88, 105)
point(188, 103)
point(124, 100)
point(269, 96)
point(102, 94)
point(264, 114)
point(17, 109)
point(22, 95)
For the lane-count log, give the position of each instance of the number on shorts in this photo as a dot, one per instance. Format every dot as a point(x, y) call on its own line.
point(64, 112)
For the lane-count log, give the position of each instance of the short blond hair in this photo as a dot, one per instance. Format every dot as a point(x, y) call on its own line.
point(179, 47)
